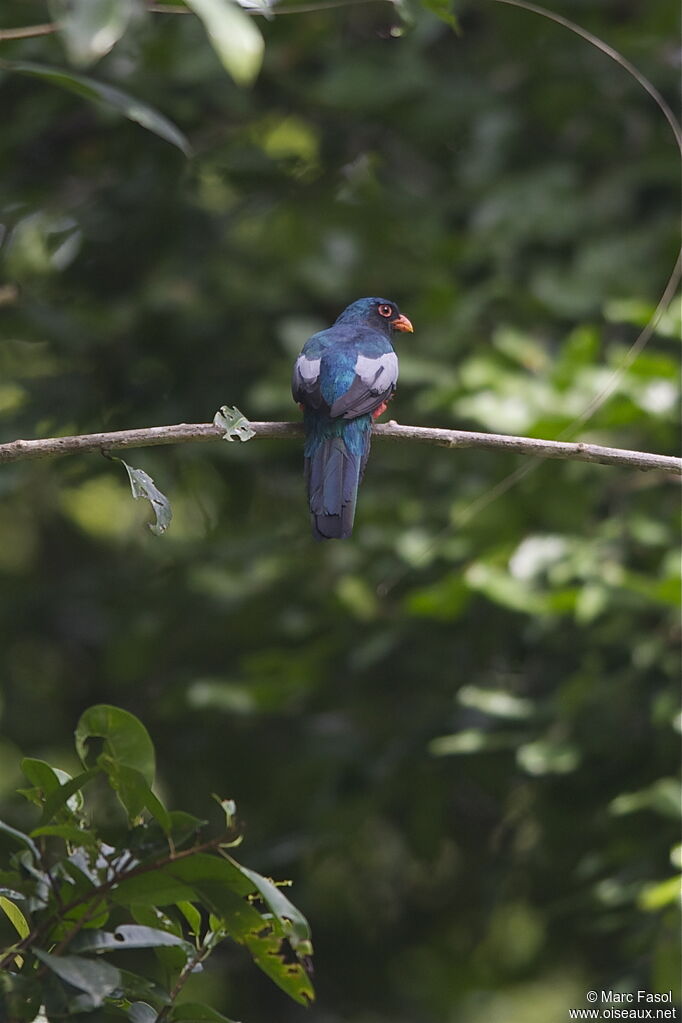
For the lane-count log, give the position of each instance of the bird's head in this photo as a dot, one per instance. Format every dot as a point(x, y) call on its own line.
point(380, 313)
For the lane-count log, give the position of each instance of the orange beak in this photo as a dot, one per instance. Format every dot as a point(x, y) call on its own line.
point(402, 324)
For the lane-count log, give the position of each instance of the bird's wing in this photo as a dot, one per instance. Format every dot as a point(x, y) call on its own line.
point(374, 381)
point(305, 381)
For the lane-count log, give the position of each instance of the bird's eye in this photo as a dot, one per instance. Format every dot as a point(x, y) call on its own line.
point(385, 310)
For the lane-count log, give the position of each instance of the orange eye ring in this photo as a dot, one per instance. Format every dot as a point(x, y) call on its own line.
point(385, 310)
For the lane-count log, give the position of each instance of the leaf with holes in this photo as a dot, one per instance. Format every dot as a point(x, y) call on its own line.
point(142, 485)
point(127, 936)
point(233, 423)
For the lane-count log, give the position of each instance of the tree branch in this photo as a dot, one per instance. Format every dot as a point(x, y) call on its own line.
point(27, 31)
point(187, 433)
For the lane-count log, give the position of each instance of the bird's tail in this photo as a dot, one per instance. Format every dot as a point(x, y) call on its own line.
point(333, 473)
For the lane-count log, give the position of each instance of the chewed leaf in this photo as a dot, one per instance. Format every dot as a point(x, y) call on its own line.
point(107, 95)
point(142, 485)
point(233, 423)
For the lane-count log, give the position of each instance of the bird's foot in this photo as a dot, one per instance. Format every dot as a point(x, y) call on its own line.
point(380, 411)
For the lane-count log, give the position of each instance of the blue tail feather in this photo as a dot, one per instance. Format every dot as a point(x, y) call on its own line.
point(334, 466)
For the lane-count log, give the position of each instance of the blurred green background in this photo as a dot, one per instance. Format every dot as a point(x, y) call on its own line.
point(458, 733)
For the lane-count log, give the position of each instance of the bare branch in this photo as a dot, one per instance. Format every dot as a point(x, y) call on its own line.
point(188, 433)
point(27, 31)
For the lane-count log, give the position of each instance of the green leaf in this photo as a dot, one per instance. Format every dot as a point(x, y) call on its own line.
point(152, 889)
point(275, 956)
point(204, 867)
point(293, 922)
point(656, 896)
point(191, 915)
point(134, 792)
point(20, 998)
point(106, 95)
point(139, 989)
point(152, 916)
point(127, 936)
point(89, 28)
point(443, 10)
point(149, 838)
point(662, 796)
point(21, 837)
point(98, 979)
point(15, 916)
point(61, 795)
point(233, 35)
point(126, 740)
point(194, 1012)
point(142, 485)
point(142, 1012)
point(40, 774)
point(69, 832)
point(264, 937)
point(233, 423)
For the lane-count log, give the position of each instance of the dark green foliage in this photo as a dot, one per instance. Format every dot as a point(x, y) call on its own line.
point(459, 732)
point(83, 888)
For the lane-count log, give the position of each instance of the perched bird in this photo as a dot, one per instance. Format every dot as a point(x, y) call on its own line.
point(342, 380)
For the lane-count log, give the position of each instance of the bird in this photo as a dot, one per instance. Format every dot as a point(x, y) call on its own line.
point(342, 380)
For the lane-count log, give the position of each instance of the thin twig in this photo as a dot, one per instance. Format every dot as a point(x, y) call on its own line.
point(27, 31)
point(188, 433)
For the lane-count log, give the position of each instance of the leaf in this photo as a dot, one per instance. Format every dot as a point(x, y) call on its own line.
point(148, 839)
point(15, 916)
point(264, 938)
point(233, 423)
point(443, 10)
point(233, 35)
point(293, 922)
point(191, 915)
point(98, 979)
point(134, 793)
point(69, 832)
point(21, 837)
point(142, 989)
point(142, 1012)
point(127, 936)
point(152, 889)
point(20, 998)
point(142, 485)
point(126, 740)
point(193, 1012)
point(61, 795)
point(204, 867)
point(106, 95)
point(276, 957)
point(40, 774)
point(89, 28)
point(656, 896)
